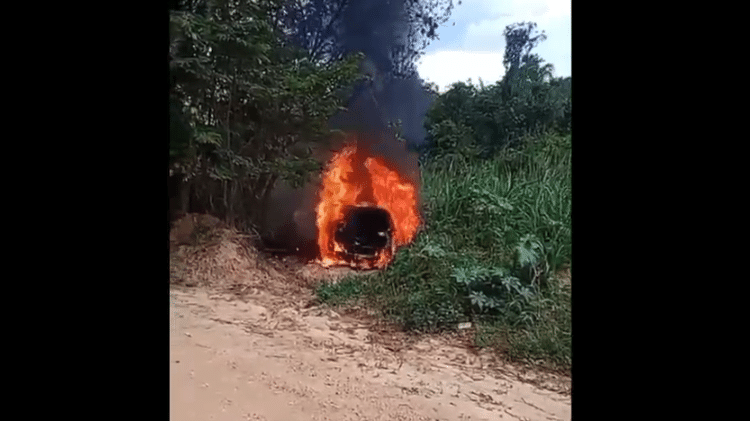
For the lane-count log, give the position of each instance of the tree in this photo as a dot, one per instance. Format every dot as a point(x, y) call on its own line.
point(562, 98)
point(449, 122)
point(526, 90)
point(391, 33)
point(520, 39)
point(243, 99)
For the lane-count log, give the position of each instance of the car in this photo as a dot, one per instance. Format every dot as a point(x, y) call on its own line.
point(365, 232)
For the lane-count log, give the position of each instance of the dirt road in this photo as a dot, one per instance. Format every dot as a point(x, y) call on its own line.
point(266, 354)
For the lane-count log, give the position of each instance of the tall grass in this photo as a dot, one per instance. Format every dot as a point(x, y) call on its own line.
point(496, 232)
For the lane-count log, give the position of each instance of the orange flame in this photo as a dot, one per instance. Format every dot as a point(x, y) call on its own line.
point(351, 178)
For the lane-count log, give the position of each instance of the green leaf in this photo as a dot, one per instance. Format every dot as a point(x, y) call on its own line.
point(206, 135)
point(530, 250)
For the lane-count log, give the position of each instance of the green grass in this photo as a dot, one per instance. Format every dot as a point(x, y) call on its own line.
point(496, 232)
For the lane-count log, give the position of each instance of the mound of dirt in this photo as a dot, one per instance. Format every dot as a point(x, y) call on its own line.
point(206, 252)
point(203, 251)
point(186, 228)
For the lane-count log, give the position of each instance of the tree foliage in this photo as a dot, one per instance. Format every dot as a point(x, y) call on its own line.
point(519, 63)
point(240, 99)
point(331, 29)
point(472, 121)
point(392, 34)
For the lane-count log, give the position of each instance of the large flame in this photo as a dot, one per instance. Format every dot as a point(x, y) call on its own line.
point(351, 178)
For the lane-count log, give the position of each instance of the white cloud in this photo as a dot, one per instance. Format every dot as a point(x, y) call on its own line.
point(447, 67)
point(475, 10)
point(480, 47)
point(551, 16)
point(485, 32)
point(515, 10)
point(486, 35)
point(539, 11)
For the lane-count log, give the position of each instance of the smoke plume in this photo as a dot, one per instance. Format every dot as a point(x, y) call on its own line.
point(391, 95)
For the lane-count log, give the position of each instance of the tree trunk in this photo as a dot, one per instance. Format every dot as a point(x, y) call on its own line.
point(262, 202)
point(226, 202)
point(184, 196)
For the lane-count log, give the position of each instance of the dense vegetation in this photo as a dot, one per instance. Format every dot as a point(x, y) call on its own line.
point(479, 122)
point(244, 106)
point(252, 87)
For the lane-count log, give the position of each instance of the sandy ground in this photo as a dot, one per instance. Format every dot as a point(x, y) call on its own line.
point(261, 349)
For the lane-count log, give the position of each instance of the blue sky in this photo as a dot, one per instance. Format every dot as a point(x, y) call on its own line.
point(473, 47)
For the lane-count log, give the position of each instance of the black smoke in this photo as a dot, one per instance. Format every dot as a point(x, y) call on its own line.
point(384, 31)
point(393, 94)
point(392, 34)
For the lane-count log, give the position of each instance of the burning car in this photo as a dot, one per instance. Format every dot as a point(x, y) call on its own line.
point(364, 233)
point(366, 209)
